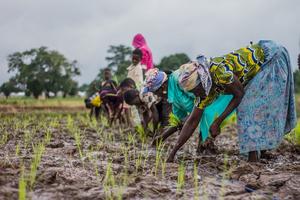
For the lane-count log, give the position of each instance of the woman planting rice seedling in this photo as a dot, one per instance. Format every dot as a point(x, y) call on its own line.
point(259, 78)
point(146, 107)
point(167, 87)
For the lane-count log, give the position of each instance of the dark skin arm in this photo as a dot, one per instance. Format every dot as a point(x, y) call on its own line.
point(168, 132)
point(237, 90)
point(188, 129)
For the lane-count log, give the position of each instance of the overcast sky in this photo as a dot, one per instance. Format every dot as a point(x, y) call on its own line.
point(83, 30)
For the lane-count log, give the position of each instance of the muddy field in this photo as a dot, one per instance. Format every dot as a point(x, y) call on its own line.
point(67, 156)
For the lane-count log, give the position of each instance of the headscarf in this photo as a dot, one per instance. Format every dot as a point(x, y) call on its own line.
point(140, 42)
point(154, 80)
point(193, 73)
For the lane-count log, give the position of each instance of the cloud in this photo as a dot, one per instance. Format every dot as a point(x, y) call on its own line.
point(83, 30)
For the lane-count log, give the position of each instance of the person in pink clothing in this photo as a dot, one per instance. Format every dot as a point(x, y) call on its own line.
point(139, 42)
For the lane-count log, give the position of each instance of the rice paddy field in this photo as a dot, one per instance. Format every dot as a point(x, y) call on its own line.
point(52, 150)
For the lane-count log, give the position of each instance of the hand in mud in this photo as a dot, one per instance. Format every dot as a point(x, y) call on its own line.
point(210, 145)
point(170, 159)
point(215, 129)
point(155, 141)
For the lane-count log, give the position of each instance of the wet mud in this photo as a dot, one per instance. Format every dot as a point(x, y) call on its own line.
point(83, 159)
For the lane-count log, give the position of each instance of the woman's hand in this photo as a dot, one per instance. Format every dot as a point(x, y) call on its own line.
point(215, 129)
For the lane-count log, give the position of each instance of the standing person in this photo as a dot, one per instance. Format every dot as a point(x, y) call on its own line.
point(260, 79)
point(135, 70)
point(139, 42)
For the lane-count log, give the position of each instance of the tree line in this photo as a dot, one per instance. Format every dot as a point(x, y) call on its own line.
point(41, 70)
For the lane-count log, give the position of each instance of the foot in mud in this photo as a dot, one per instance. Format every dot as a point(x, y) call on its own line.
point(266, 155)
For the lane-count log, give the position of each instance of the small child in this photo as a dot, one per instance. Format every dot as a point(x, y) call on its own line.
point(135, 70)
point(108, 83)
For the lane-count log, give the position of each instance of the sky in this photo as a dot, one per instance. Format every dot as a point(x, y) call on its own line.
point(83, 30)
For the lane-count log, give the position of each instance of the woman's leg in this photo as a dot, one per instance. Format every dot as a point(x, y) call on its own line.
point(200, 147)
point(253, 156)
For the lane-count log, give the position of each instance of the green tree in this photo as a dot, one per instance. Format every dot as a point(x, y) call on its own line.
point(41, 70)
point(297, 81)
point(173, 62)
point(84, 87)
point(8, 87)
point(118, 60)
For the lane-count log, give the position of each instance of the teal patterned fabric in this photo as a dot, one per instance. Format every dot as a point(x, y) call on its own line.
point(183, 104)
point(267, 110)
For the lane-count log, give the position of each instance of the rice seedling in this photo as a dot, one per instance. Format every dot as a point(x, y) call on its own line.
point(38, 152)
point(70, 123)
point(294, 136)
point(27, 138)
point(109, 181)
point(163, 167)
point(158, 156)
point(224, 176)
point(22, 185)
point(48, 136)
point(174, 121)
point(54, 123)
point(146, 157)
point(17, 151)
point(77, 137)
point(181, 176)
point(196, 183)
point(4, 138)
point(141, 133)
point(126, 164)
point(93, 161)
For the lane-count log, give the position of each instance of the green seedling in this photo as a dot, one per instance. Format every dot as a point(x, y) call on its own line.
point(158, 156)
point(181, 176)
point(17, 150)
point(141, 133)
point(4, 138)
point(38, 152)
point(77, 137)
point(109, 181)
point(22, 185)
point(224, 176)
point(174, 121)
point(196, 184)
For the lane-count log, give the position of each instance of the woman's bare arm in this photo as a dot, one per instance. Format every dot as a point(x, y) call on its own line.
point(188, 129)
point(237, 90)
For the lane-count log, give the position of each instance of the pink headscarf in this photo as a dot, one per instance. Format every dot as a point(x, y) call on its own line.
point(140, 43)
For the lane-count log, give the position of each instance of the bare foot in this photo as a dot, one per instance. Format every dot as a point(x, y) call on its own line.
point(265, 155)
